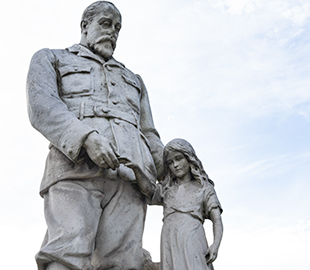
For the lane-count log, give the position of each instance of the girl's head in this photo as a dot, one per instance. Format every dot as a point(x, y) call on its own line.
point(196, 169)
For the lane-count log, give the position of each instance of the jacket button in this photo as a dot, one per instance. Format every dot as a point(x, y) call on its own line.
point(113, 83)
point(115, 102)
point(116, 121)
point(106, 110)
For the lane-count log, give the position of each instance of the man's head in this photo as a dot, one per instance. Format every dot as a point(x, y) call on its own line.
point(100, 25)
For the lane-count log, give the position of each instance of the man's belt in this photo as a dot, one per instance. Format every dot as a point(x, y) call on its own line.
point(102, 111)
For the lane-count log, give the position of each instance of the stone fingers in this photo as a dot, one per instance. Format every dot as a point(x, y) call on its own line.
point(101, 151)
point(109, 159)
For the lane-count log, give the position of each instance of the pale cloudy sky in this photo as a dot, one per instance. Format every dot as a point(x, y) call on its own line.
point(230, 76)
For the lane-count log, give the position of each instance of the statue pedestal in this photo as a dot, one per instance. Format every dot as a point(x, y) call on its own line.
point(152, 266)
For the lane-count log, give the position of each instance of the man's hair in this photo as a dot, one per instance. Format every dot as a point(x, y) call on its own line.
point(90, 12)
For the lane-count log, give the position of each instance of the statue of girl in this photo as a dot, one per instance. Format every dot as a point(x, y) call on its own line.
point(188, 198)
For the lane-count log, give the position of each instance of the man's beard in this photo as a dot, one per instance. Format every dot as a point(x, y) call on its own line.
point(103, 46)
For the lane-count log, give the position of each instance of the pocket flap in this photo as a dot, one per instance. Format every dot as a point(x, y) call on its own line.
point(132, 83)
point(74, 69)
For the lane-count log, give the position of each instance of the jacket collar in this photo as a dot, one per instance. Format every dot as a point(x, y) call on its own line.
point(82, 51)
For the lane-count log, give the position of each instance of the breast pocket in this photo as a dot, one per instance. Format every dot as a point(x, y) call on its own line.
point(133, 92)
point(76, 80)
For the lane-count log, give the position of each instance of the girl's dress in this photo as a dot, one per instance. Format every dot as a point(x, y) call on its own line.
point(183, 241)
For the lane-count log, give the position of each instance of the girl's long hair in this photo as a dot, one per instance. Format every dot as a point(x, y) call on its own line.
point(196, 168)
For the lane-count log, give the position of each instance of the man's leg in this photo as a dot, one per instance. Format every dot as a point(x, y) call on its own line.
point(119, 238)
point(72, 213)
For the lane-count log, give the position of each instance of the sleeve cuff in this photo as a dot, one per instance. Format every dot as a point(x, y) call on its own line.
point(73, 139)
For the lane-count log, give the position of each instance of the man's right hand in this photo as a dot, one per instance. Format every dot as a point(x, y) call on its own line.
point(101, 151)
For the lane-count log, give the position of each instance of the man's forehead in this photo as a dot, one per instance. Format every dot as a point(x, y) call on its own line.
point(109, 11)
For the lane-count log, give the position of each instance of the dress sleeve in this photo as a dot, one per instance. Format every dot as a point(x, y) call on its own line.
point(210, 201)
point(158, 196)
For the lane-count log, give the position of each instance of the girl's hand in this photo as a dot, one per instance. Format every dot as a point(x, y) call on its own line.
point(130, 164)
point(212, 254)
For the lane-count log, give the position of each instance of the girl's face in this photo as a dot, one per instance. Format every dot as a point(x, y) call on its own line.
point(178, 165)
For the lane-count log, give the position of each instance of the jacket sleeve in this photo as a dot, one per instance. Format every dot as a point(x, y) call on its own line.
point(47, 112)
point(149, 131)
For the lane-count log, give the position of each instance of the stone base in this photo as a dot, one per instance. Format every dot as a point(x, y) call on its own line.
point(152, 266)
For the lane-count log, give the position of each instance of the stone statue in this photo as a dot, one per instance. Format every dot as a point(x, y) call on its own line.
point(95, 112)
point(188, 198)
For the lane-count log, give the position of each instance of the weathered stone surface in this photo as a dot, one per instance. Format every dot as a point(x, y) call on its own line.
point(152, 266)
point(148, 263)
point(188, 197)
point(96, 114)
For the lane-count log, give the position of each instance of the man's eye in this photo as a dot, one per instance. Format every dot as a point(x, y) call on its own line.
point(106, 23)
point(118, 28)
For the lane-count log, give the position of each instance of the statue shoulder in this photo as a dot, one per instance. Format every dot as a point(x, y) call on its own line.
point(43, 53)
point(48, 54)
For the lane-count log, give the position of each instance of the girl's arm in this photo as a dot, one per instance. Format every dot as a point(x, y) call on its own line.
point(146, 180)
point(215, 216)
point(146, 185)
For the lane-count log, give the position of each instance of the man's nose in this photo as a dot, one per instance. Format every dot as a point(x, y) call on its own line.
point(112, 30)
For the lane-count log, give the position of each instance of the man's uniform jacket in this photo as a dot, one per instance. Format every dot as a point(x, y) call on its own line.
point(74, 92)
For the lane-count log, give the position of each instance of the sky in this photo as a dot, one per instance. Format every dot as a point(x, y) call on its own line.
point(229, 76)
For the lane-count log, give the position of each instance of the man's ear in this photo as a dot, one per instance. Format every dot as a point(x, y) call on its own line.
point(84, 27)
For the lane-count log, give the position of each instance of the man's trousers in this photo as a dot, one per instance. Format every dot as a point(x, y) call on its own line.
point(94, 224)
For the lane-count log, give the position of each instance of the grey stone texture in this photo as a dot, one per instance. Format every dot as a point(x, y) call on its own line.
point(188, 197)
point(96, 114)
point(105, 157)
point(152, 266)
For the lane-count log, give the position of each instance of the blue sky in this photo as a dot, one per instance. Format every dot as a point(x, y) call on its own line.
point(231, 77)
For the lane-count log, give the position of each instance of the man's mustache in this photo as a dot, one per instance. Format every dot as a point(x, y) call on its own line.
point(106, 38)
